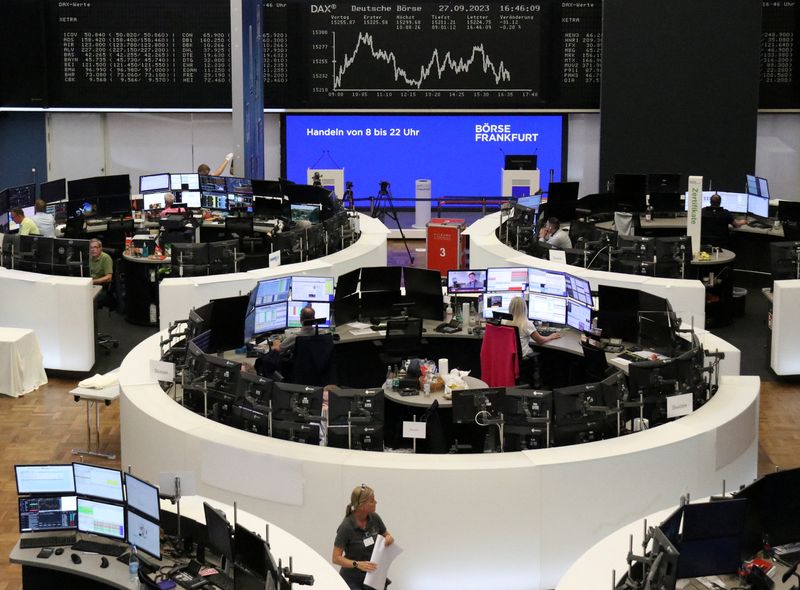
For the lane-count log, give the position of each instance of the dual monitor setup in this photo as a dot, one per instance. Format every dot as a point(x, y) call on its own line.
point(89, 499)
point(722, 536)
point(56, 256)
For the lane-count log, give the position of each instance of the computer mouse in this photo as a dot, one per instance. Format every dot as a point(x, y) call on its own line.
point(103, 562)
point(59, 550)
point(76, 559)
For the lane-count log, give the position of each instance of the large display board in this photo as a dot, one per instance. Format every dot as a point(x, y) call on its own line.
point(460, 154)
point(381, 55)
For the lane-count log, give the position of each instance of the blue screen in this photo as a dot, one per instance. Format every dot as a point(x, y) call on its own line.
point(462, 155)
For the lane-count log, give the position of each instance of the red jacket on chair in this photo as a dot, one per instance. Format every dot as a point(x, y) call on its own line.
point(500, 356)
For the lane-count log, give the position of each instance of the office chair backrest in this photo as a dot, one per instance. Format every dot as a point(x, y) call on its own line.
point(791, 231)
point(714, 230)
point(313, 360)
point(403, 335)
point(74, 228)
point(500, 356)
point(243, 226)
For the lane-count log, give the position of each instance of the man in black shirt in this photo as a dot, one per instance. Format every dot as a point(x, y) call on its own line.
point(715, 223)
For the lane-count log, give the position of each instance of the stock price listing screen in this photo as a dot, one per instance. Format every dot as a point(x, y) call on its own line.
point(425, 54)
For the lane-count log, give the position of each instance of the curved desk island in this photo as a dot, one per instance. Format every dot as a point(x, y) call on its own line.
point(687, 297)
point(513, 521)
point(178, 295)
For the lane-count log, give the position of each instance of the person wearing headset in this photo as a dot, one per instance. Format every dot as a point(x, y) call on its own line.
point(355, 537)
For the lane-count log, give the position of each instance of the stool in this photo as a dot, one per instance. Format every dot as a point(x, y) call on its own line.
point(94, 396)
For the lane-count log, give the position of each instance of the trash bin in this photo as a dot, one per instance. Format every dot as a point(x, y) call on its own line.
point(739, 299)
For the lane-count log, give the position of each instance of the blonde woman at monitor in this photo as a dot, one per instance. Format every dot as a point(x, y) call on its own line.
point(527, 331)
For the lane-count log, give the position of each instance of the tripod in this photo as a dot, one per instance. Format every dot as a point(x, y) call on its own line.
point(383, 206)
point(348, 198)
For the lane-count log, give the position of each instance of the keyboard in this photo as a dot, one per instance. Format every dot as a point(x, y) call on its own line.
point(788, 553)
point(101, 548)
point(221, 580)
point(50, 541)
point(759, 224)
point(548, 331)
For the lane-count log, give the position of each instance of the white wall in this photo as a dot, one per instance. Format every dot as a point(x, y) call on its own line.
point(89, 144)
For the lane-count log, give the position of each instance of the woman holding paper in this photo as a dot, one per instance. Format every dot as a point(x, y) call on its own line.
point(355, 537)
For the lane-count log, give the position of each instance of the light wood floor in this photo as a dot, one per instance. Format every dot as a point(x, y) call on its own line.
point(45, 425)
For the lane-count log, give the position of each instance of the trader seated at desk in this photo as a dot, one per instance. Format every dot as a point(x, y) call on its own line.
point(44, 220)
point(716, 221)
point(286, 346)
point(101, 267)
point(554, 235)
point(278, 355)
point(169, 208)
point(26, 225)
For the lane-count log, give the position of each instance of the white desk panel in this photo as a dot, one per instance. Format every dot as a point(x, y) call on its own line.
point(514, 521)
point(60, 310)
point(785, 351)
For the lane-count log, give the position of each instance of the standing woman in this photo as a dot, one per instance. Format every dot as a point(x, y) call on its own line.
point(355, 537)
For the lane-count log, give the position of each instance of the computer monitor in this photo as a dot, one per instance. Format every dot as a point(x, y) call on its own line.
point(299, 403)
point(544, 308)
point(149, 183)
point(466, 281)
point(362, 437)
point(153, 201)
point(757, 206)
point(660, 184)
point(4, 205)
point(751, 184)
point(347, 284)
point(114, 204)
point(71, 257)
point(191, 199)
point(238, 186)
point(48, 513)
point(525, 205)
point(380, 278)
point(763, 187)
point(250, 552)
point(226, 322)
point(55, 190)
point(789, 211)
point(264, 319)
point(98, 482)
point(733, 202)
point(359, 404)
point(579, 289)
point(213, 184)
point(269, 207)
point(185, 181)
point(144, 533)
point(44, 479)
point(784, 258)
point(220, 533)
point(101, 518)
point(497, 301)
point(270, 291)
point(212, 200)
point(558, 192)
point(507, 279)
point(519, 161)
point(467, 403)
point(346, 309)
point(666, 202)
point(322, 311)
point(21, 196)
point(579, 316)
point(547, 282)
point(142, 497)
point(711, 539)
point(422, 281)
point(312, 288)
point(299, 432)
point(306, 212)
point(616, 315)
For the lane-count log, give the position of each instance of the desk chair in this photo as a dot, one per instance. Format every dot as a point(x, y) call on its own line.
point(791, 231)
point(252, 245)
point(403, 340)
point(714, 230)
point(501, 356)
point(74, 228)
point(595, 365)
point(116, 232)
point(313, 360)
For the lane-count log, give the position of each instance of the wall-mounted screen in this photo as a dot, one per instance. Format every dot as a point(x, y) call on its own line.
point(461, 154)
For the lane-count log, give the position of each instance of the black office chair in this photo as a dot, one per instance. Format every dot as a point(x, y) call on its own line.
point(75, 228)
point(403, 340)
point(116, 232)
point(791, 231)
point(312, 362)
point(714, 230)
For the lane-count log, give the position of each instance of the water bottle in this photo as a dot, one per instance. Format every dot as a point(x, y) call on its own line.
point(133, 565)
point(448, 314)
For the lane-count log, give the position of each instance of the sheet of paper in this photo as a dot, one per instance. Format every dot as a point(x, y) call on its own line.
point(367, 332)
point(358, 325)
point(382, 556)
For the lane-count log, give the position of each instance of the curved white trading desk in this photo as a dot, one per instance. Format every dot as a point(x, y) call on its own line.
point(178, 295)
point(283, 544)
point(60, 310)
point(687, 297)
point(513, 521)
